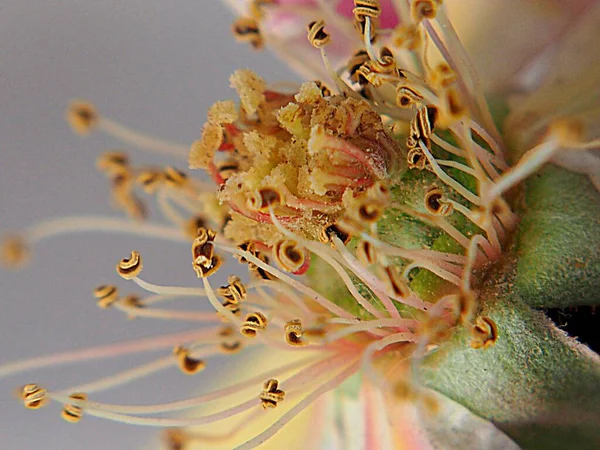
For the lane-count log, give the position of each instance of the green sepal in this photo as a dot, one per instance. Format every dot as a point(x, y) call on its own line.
point(558, 253)
point(539, 386)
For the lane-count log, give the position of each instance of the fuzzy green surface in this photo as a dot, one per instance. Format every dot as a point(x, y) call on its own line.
point(559, 241)
point(536, 384)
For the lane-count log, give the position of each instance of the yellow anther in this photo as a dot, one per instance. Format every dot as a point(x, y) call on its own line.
point(254, 323)
point(192, 225)
point(287, 254)
point(436, 203)
point(82, 117)
point(366, 8)
point(107, 295)
point(293, 333)
point(396, 282)
point(247, 30)
point(187, 364)
point(113, 162)
point(72, 413)
point(485, 333)
point(234, 292)
point(329, 231)
point(317, 35)
point(271, 395)
point(33, 396)
point(406, 96)
point(424, 9)
point(131, 267)
point(204, 260)
point(265, 197)
point(230, 343)
point(14, 251)
point(174, 177)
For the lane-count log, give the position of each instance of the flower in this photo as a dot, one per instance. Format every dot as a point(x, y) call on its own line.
point(376, 217)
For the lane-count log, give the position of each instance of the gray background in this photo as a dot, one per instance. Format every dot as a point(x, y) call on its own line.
point(153, 64)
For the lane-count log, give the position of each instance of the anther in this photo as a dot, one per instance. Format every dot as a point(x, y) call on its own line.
point(229, 343)
point(131, 267)
point(202, 248)
point(187, 364)
point(369, 212)
point(174, 177)
point(263, 198)
point(416, 159)
point(329, 231)
point(366, 8)
point(113, 162)
point(317, 35)
point(435, 202)
point(366, 253)
point(72, 413)
point(107, 295)
point(259, 272)
point(423, 9)
point(247, 30)
point(234, 292)
point(396, 282)
point(82, 117)
point(15, 251)
point(287, 254)
point(193, 224)
point(406, 97)
point(354, 64)
point(254, 323)
point(175, 439)
point(325, 92)
point(33, 396)
point(150, 180)
point(293, 333)
point(485, 333)
point(271, 395)
point(228, 168)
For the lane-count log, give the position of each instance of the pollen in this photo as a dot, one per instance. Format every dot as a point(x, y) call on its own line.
point(250, 88)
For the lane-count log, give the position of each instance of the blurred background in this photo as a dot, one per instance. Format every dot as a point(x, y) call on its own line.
point(154, 65)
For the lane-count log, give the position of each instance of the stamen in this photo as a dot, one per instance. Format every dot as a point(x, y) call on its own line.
point(293, 333)
point(367, 277)
point(298, 408)
point(327, 256)
point(15, 251)
point(188, 364)
point(169, 290)
point(96, 353)
point(253, 323)
point(107, 295)
point(332, 307)
point(271, 395)
point(485, 333)
point(71, 413)
point(398, 324)
point(80, 224)
point(459, 188)
point(129, 268)
point(33, 396)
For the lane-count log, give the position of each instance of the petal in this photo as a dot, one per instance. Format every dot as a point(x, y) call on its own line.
point(505, 37)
